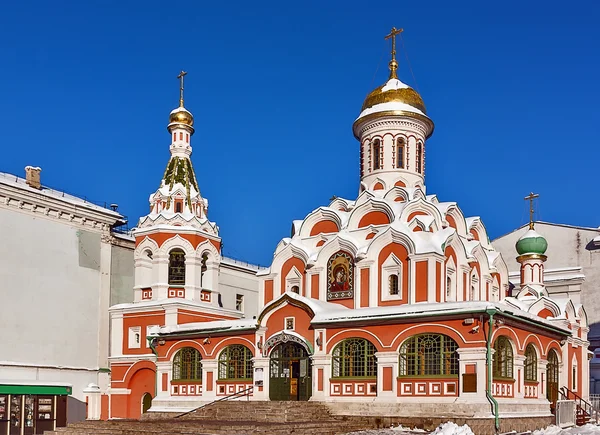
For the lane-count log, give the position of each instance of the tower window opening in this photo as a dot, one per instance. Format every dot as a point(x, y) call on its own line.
point(295, 289)
point(178, 207)
point(174, 137)
point(187, 138)
point(448, 287)
point(419, 158)
point(376, 154)
point(400, 159)
point(180, 136)
point(177, 267)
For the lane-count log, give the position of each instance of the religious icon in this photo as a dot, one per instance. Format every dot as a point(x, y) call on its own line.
point(340, 274)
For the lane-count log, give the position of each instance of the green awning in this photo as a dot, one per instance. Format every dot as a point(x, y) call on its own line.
point(51, 390)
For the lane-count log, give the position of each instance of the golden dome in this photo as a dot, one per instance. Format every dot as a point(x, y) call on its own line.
point(392, 92)
point(181, 116)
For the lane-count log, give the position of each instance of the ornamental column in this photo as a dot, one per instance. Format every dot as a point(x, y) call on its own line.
point(472, 374)
point(209, 376)
point(164, 375)
point(387, 373)
point(519, 375)
point(321, 373)
point(261, 378)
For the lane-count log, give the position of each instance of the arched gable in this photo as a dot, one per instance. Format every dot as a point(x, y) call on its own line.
point(146, 244)
point(208, 248)
point(379, 184)
point(382, 209)
point(177, 242)
point(583, 318)
point(281, 302)
point(544, 307)
point(396, 194)
point(387, 237)
point(477, 229)
point(340, 204)
point(335, 244)
point(420, 206)
point(321, 220)
point(456, 219)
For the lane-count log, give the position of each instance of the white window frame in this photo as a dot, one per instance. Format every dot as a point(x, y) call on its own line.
point(242, 302)
point(294, 278)
point(132, 343)
point(148, 333)
point(391, 266)
point(285, 322)
point(451, 273)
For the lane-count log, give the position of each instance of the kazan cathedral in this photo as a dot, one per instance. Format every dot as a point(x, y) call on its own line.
point(391, 303)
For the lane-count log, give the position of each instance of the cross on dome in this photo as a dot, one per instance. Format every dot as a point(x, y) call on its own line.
point(181, 75)
point(530, 198)
point(393, 63)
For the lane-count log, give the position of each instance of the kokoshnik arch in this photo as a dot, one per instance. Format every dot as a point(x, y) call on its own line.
point(394, 298)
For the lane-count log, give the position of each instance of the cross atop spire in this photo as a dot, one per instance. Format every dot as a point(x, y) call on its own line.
point(181, 75)
point(393, 63)
point(530, 198)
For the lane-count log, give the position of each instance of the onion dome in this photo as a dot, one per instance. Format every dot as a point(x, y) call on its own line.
point(394, 98)
point(531, 243)
point(181, 116)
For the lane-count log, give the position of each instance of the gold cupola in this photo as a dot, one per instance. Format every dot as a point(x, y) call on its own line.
point(393, 98)
point(181, 117)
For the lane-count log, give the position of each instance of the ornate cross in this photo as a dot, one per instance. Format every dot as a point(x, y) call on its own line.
point(530, 198)
point(392, 35)
point(181, 75)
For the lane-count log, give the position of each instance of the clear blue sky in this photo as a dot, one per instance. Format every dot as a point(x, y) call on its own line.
point(513, 88)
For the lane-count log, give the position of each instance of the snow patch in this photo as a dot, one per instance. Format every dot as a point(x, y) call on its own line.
point(588, 429)
point(451, 428)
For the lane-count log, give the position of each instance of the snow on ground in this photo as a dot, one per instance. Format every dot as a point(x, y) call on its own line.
point(454, 429)
point(588, 429)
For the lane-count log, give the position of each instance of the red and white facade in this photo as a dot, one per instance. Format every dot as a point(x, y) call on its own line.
point(394, 299)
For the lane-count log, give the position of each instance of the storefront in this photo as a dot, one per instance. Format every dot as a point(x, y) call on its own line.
point(33, 408)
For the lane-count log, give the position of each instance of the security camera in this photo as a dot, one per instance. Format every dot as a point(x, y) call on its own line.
point(206, 340)
point(475, 329)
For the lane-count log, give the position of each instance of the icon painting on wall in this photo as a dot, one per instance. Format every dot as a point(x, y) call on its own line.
point(340, 276)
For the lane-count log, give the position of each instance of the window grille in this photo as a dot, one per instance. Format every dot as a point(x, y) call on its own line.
point(177, 267)
point(235, 362)
point(393, 285)
point(503, 359)
point(376, 154)
point(530, 363)
point(187, 364)
point(400, 161)
point(429, 355)
point(354, 358)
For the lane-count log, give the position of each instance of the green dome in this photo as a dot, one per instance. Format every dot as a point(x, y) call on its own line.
point(531, 243)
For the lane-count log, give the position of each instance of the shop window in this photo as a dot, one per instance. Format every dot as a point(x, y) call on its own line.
point(187, 364)
point(235, 363)
point(354, 358)
point(429, 355)
point(502, 366)
point(530, 363)
point(177, 267)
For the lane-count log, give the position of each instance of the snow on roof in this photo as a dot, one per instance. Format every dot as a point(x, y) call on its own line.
point(390, 106)
point(33, 382)
point(420, 309)
point(234, 262)
point(206, 327)
point(20, 183)
point(394, 84)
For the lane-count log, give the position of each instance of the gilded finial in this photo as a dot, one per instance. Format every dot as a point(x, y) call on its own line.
point(393, 63)
point(180, 77)
point(530, 198)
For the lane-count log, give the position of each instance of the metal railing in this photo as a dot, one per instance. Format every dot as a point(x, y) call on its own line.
point(595, 400)
point(565, 413)
point(237, 395)
point(584, 409)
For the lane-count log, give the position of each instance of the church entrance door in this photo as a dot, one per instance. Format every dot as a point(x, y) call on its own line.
point(290, 373)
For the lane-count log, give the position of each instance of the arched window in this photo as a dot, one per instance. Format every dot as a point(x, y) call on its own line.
point(295, 289)
point(177, 267)
point(354, 358)
point(552, 377)
point(503, 359)
point(376, 154)
point(235, 362)
point(448, 287)
point(400, 153)
point(393, 284)
point(429, 355)
point(187, 365)
point(419, 158)
point(530, 363)
point(178, 207)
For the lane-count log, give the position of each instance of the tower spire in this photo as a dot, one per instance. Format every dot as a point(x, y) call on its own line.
point(530, 198)
point(393, 63)
point(181, 75)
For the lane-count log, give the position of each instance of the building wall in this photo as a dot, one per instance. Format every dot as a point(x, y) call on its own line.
point(567, 247)
point(234, 281)
point(121, 273)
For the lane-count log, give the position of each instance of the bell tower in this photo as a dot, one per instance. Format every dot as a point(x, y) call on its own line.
point(392, 129)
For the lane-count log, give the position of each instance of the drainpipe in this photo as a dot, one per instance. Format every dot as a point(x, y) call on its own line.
point(488, 391)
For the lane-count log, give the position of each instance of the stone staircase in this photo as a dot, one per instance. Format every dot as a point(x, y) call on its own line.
point(233, 417)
